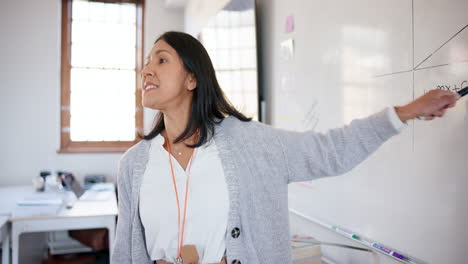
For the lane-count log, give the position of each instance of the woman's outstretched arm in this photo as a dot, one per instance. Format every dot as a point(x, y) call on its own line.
point(310, 155)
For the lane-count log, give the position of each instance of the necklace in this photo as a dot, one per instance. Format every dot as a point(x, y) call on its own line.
point(178, 152)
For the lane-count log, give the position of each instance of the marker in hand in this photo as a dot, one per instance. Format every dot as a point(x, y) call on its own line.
point(462, 93)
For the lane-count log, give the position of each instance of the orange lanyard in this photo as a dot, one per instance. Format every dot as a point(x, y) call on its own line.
point(180, 238)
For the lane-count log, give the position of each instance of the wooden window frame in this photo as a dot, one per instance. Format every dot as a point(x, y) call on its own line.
point(66, 144)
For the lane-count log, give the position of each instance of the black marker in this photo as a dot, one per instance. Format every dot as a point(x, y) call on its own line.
point(462, 93)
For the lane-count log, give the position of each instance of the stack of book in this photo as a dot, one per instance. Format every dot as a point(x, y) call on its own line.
point(306, 250)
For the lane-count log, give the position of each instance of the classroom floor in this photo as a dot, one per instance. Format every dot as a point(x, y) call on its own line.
point(100, 257)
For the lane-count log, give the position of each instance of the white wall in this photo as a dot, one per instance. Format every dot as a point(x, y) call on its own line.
point(30, 90)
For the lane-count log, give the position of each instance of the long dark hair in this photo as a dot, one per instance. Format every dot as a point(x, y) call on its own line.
point(208, 102)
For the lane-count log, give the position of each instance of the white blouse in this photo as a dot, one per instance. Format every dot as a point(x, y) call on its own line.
point(207, 210)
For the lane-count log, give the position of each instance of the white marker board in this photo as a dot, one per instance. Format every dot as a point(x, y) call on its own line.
point(352, 59)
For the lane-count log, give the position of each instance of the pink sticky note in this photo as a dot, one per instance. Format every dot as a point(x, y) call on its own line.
point(289, 24)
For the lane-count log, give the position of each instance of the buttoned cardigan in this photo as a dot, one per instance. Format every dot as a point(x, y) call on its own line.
point(258, 162)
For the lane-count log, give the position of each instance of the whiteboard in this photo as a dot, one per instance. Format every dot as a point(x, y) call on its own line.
point(352, 59)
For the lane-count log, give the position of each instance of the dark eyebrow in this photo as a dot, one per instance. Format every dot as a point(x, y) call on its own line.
point(157, 52)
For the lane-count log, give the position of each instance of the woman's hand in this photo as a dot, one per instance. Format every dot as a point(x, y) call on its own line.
point(433, 104)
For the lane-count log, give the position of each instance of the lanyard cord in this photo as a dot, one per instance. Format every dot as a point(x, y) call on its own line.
point(180, 239)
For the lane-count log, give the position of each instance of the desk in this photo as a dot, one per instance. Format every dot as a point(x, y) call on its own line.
point(84, 215)
point(5, 239)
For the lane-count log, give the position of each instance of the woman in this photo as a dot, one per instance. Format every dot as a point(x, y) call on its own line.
point(207, 185)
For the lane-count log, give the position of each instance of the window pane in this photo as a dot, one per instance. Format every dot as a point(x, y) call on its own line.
point(223, 38)
point(231, 43)
point(247, 18)
point(102, 105)
point(222, 19)
point(214, 58)
point(234, 18)
point(247, 37)
point(236, 59)
point(112, 13)
point(236, 78)
point(128, 12)
point(209, 37)
point(248, 58)
point(103, 71)
point(224, 59)
point(236, 100)
point(225, 81)
point(80, 10)
point(96, 11)
point(251, 103)
point(103, 45)
point(236, 39)
point(250, 80)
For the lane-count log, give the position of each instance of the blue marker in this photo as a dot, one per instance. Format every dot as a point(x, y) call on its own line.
point(388, 251)
point(379, 247)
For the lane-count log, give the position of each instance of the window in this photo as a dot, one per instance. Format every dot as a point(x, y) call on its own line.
point(230, 40)
point(102, 55)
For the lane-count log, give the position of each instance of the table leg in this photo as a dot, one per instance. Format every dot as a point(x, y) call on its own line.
point(15, 236)
point(111, 228)
point(6, 248)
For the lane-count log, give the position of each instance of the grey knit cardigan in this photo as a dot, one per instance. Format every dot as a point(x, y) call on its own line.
point(258, 161)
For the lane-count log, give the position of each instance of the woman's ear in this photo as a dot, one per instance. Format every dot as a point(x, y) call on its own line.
point(191, 81)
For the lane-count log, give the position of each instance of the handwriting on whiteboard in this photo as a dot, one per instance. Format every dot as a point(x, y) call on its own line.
point(451, 87)
point(310, 120)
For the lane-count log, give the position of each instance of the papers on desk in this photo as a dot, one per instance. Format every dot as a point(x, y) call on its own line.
point(26, 203)
point(34, 211)
point(40, 201)
point(10, 195)
point(42, 198)
point(39, 204)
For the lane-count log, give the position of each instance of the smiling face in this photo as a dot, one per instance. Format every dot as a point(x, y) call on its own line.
point(166, 83)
